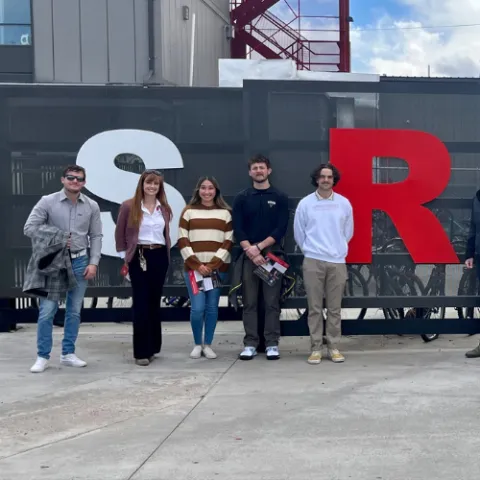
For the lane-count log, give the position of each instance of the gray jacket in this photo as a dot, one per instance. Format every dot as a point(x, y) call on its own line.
point(49, 271)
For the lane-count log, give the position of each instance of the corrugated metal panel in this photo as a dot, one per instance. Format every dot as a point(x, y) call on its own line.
point(66, 41)
point(43, 32)
point(210, 40)
point(141, 40)
point(211, 45)
point(121, 41)
point(106, 41)
point(94, 41)
point(91, 41)
point(174, 41)
point(223, 5)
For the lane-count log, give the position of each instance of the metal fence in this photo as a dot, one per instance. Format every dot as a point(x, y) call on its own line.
point(42, 129)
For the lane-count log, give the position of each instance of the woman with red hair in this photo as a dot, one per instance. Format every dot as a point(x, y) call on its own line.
point(142, 238)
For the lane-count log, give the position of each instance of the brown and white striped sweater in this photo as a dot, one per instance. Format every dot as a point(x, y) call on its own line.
point(205, 237)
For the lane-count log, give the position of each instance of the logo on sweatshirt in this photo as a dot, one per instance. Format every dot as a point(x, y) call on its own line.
point(271, 203)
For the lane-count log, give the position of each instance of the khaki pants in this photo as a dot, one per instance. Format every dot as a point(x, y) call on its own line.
point(324, 279)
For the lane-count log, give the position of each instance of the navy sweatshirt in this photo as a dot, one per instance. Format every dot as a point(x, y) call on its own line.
point(258, 214)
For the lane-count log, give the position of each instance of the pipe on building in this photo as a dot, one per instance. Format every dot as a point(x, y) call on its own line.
point(345, 19)
point(151, 39)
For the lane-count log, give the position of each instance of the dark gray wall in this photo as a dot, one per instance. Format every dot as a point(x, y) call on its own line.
point(43, 127)
point(17, 61)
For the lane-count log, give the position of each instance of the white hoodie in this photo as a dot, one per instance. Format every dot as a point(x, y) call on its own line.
point(323, 227)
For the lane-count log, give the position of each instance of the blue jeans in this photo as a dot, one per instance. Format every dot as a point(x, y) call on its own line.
point(204, 310)
point(48, 309)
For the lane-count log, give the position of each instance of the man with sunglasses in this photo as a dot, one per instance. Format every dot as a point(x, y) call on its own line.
point(72, 212)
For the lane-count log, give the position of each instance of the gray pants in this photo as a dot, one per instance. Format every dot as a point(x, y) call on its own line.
point(271, 299)
point(324, 279)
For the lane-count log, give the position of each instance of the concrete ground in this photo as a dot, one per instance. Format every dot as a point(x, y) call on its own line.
point(397, 409)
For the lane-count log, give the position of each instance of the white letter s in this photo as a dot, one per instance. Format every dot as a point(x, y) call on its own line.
point(105, 180)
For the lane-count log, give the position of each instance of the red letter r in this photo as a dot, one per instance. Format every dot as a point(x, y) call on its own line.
point(352, 152)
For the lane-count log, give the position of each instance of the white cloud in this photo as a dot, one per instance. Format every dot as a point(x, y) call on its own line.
point(409, 50)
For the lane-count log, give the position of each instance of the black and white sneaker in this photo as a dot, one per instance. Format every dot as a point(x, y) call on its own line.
point(248, 353)
point(273, 353)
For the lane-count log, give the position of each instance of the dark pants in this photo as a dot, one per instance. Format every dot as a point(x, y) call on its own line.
point(146, 292)
point(250, 296)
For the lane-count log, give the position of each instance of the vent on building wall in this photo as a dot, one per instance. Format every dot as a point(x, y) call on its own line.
point(229, 32)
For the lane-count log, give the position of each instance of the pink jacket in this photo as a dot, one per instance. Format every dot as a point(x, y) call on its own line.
point(126, 237)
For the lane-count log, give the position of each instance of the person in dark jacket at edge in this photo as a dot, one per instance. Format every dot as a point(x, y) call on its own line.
point(472, 254)
point(260, 222)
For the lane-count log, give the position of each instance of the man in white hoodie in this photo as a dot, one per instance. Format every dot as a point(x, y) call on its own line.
point(323, 227)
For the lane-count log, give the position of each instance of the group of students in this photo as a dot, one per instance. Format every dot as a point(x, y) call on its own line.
point(208, 228)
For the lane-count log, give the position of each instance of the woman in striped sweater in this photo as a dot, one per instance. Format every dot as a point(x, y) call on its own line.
point(205, 240)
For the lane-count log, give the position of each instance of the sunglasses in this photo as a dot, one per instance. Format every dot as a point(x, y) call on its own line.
point(71, 178)
point(155, 172)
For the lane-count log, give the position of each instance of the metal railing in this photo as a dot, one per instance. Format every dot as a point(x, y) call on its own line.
point(313, 42)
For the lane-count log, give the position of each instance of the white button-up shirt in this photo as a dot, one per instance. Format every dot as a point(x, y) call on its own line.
point(152, 227)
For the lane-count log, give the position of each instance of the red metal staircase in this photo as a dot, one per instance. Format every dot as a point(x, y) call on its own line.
point(314, 42)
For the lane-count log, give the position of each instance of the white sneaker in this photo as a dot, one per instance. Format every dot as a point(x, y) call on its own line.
point(315, 357)
point(248, 353)
point(40, 365)
point(209, 353)
point(273, 353)
point(71, 360)
point(196, 352)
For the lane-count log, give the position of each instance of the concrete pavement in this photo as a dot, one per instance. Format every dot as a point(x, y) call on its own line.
point(397, 409)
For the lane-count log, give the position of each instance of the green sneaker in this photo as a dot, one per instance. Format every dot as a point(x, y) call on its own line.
point(475, 353)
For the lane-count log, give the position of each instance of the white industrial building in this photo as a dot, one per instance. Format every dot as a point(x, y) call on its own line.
point(118, 42)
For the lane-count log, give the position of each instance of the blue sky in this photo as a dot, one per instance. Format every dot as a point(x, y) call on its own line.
point(367, 12)
point(394, 37)
point(364, 12)
point(410, 49)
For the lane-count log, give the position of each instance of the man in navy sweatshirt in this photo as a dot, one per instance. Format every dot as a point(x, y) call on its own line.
point(260, 221)
point(323, 227)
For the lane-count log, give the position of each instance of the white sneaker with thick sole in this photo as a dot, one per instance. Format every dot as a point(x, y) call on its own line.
point(196, 352)
point(40, 365)
point(273, 353)
point(71, 360)
point(248, 353)
point(209, 353)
